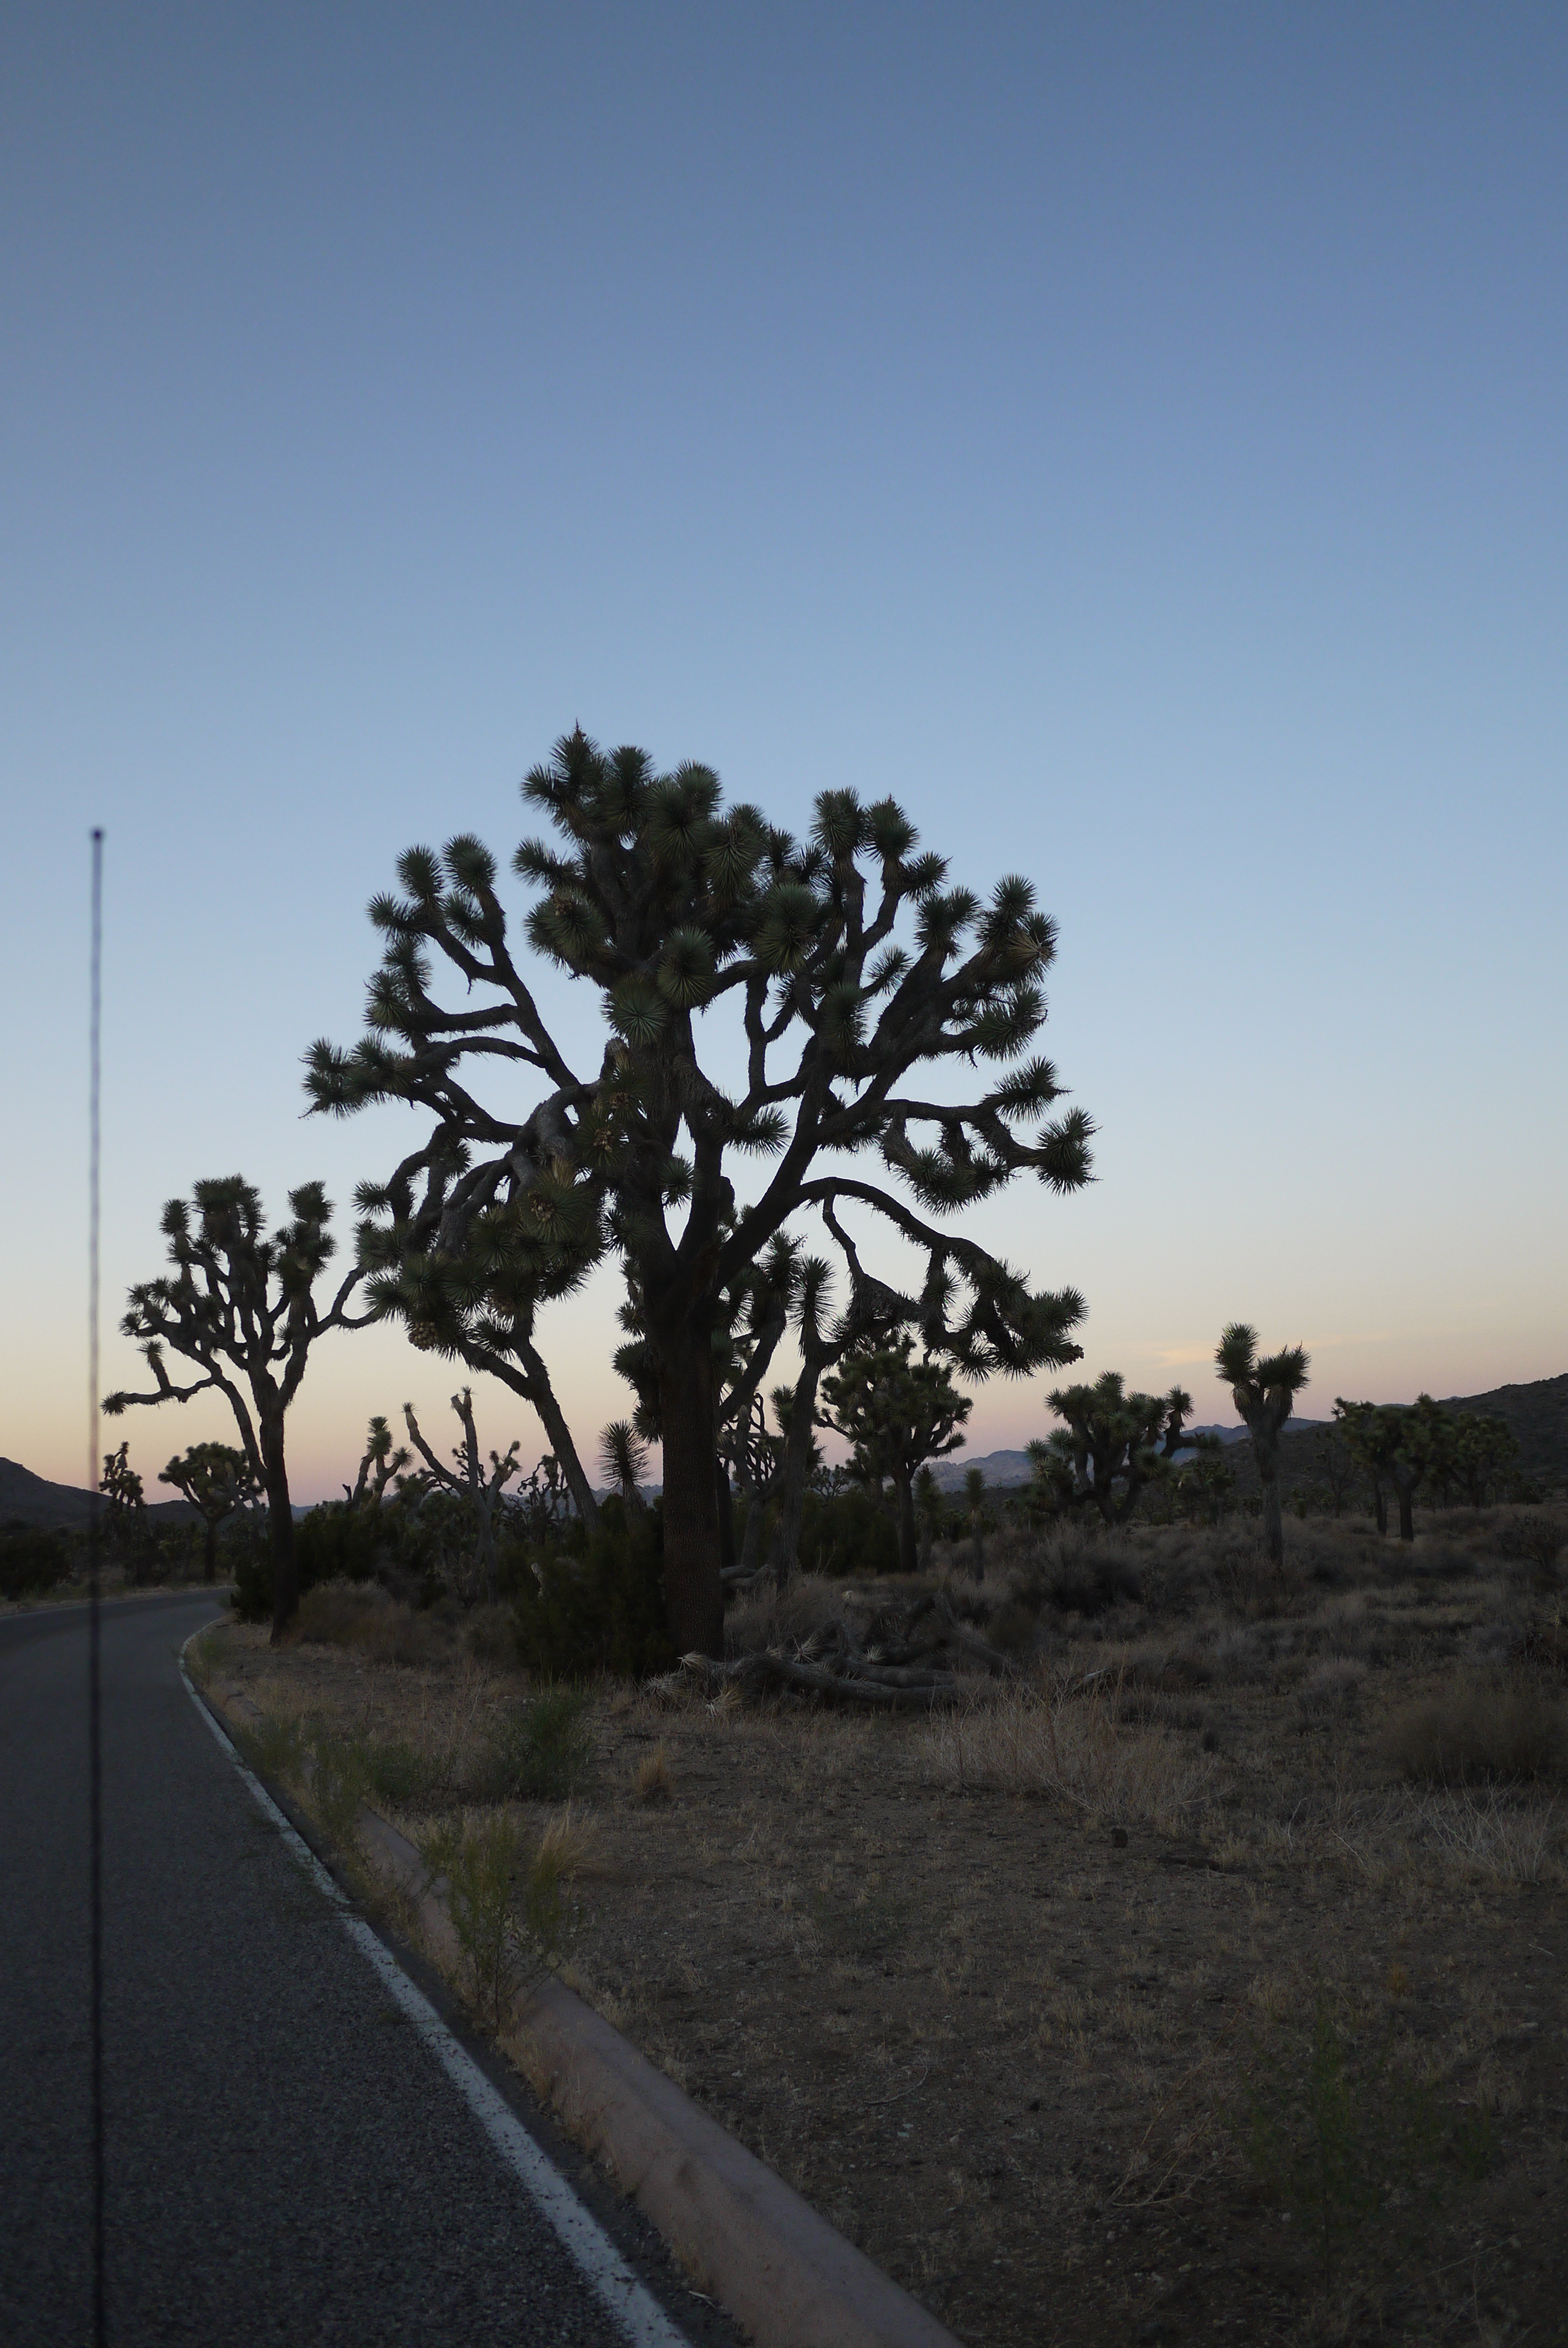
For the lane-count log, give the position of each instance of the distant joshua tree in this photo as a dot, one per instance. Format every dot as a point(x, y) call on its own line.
point(975, 1508)
point(483, 1491)
point(217, 1480)
point(1108, 1449)
point(1264, 1393)
point(897, 1413)
point(380, 1465)
point(242, 1308)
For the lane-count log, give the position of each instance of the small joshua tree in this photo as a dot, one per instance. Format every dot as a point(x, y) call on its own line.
point(1109, 1448)
point(1264, 1393)
point(481, 1490)
point(121, 1488)
point(897, 1413)
point(929, 1512)
point(975, 1510)
point(242, 1307)
point(381, 1463)
point(217, 1480)
point(624, 1459)
point(1485, 1450)
point(1178, 1408)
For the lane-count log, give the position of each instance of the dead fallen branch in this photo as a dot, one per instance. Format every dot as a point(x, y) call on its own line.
point(911, 1691)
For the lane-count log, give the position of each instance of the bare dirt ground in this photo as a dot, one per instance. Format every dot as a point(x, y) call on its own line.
point(1208, 1976)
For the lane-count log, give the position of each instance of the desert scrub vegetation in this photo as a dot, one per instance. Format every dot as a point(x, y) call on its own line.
point(1005, 2009)
point(1074, 1745)
point(1480, 1725)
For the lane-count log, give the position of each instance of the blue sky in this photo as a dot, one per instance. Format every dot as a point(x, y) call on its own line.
point(1132, 435)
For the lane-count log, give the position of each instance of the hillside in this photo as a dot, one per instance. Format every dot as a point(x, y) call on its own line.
point(1537, 1413)
point(29, 1499)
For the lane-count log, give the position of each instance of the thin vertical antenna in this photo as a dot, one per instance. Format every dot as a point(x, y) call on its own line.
point(94, 1548)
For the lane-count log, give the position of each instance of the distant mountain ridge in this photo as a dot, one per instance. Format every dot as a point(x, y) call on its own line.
point(1537, 1412)
point(29, 1499)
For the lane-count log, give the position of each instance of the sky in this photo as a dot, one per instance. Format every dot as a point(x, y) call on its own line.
point(1132, 435)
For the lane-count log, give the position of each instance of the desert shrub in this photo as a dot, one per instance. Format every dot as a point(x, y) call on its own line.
point(1537, 1539)
point(394, 1771)
point(770, 1617)
point(337, 1543)
point(1106, 1578)
point(1014, 1627)
point(542, 1752)
point(486, 1861)
point(1478, 1727)
point(1075, 1747)
point(340, 1615)
point(1349, 2136)
point(601, 1612)
point(846, 1533)
point(31, 1560)
point(1331, 1685)
point(480, 1858)
point(274, 1745)
point(490, 1634)
point(336, 1780)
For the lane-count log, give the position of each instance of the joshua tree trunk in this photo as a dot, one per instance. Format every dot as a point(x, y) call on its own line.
point(1267, 1459)
point(785, 1554)
point(541, 1396)
point(694, 1593)
point(1380, 1504)
point(1405, 1488)
point(726, 1518)
point(909, 1547)
point(280, 1527)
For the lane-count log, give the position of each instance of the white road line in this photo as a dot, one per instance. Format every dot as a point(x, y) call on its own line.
point(633, 2306)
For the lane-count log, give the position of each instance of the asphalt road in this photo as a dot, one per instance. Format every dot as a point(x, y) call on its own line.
point(285, 2160)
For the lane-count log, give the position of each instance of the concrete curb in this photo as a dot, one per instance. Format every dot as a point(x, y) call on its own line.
point(739, 2232)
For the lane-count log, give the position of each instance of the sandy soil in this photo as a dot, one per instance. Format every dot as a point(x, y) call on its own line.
point(1033, 2004)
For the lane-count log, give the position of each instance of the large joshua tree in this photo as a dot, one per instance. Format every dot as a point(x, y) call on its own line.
point(241, 1306)
point(824, 970)
point(1263, 1392)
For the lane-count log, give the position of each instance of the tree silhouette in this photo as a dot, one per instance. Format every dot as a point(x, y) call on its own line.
point(242, 1307)
point(897, 1413)
point(931, 1513)
point(624, 1459)
point(1484, 1448)
point(482, 1491)
point(1109, 1447)
point(1264, 1393)
point(380, 1464)
point(216, 1479)
point(842, 980)
point(976, 1511)
point(121, 1488)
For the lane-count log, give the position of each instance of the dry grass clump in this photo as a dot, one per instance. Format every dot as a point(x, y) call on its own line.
point(653, 1780)
point(1477, 1727)
point(362, 1616)
point(767, 1616)
point(1075, 1749)
point(1496, 1841)
point(1332, 1686)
